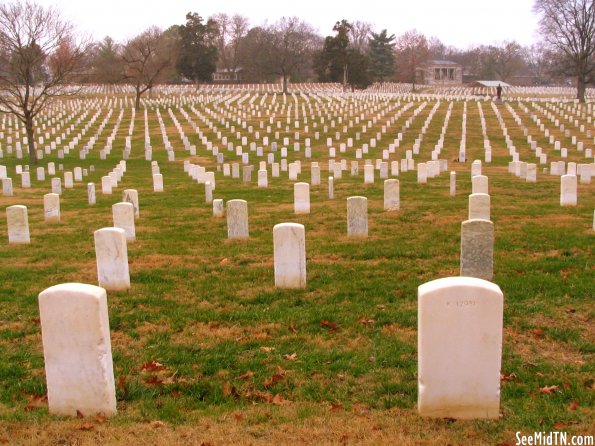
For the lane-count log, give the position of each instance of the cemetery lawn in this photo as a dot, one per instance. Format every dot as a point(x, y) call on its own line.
point(207, 351)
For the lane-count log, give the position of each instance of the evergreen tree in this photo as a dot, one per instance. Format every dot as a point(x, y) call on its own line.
point(198, 53)
point(382, 58)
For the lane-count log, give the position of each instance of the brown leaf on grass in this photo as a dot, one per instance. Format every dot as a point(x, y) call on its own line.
point(152, 366)
point(239, 416)
point(206, 443)
point(278, 400)
point(538, 333)
point(122, 384)
point(158, 424)
point(364, 320)
point(154, 381)
point(36, 402)
point(247, 375)
point(229, 390)
point(224, 261)
point(548, 389)
point(570, 310)
point(292, 327)
point(573, 405)
point(256, 395)
point(30, 407)
point(559, 425)
point(275, 378)
point(86, 427)
point(79, 414)
point(330, 325)
point(566, 386)
point(268, 349)
point(336, 406)
point(507, 377)
point(36, 320)
point(292, 357)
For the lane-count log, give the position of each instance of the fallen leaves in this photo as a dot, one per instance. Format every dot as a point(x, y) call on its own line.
point(365, 321)
point(247, 375)
point(332, 327)
point(292, 357)
point(274, 379)
point(573, 405)
point(229, 390)
point(36, 402)
point(507, 377)
point(268, 349)
point(152, 366)
point(267, 397)
point(548, 389)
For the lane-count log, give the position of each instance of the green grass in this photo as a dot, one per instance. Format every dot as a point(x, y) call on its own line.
point(206, 308)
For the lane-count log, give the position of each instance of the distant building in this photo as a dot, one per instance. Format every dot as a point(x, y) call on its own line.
point(439, 72)
point(225, 76)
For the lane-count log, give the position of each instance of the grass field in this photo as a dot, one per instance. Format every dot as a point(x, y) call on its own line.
point(207, 351)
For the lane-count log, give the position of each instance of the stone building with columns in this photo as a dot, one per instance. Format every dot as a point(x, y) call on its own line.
point(439, 72)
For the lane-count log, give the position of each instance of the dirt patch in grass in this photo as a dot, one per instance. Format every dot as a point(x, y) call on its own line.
point(532, 346)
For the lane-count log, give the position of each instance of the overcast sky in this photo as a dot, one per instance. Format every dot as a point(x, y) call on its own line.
point(460, 23)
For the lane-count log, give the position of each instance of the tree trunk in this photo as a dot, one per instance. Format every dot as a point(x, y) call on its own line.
point(31, 139)
point(580, 87)
point(137, 102)
point(345, 70)
point(284, 83)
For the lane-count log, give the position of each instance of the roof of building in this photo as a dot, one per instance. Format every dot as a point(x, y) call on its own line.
point(440, 62)
point(493, 83)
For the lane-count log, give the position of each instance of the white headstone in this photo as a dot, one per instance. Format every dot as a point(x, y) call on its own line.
point(459, 348)
point(17, 222)
point(237, 219)
point(123, 216)
point(357, 217)
point(290, 255)
point(479, 206)
point(112, 259)
point(91, 193)
point(157, 182)
point(51, 207)
point(479, 184)
point(7, 187)
point(392, 200)
point(568, 190)
point(477, 249)
point(301, 198)
point(218, 209)
point(131, 196)
point(77, 350)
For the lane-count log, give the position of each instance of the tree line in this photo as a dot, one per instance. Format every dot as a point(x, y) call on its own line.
point(42, 56)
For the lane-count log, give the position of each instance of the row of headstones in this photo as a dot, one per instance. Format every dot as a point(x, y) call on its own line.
point(56, 183)
point(460, 323)
point(124, 214)
point(476, 246)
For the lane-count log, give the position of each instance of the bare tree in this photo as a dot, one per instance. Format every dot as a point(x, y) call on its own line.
point(359, 35)
point(230, 32)
point(146, 60)
point(411, 50)
point(222, 38)
point(238, 29)
point(39, 56)
point(568, 26)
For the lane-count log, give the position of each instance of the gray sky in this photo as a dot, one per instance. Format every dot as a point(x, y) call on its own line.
point(456, 22)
